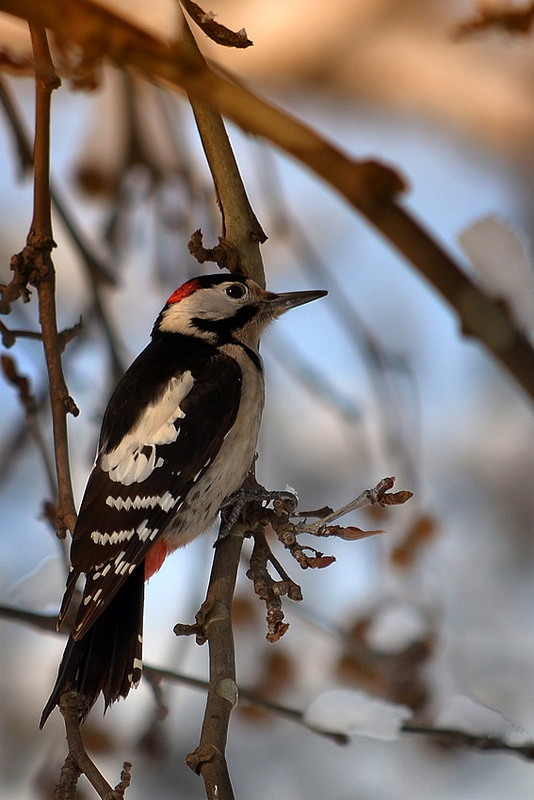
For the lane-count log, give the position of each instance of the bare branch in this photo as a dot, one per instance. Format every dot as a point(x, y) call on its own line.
point(68, 779)
point(380, 496)
point(511, 20)
point(218, 33)
point(72, 706)
point(96, 266)
point(215, 623)
point(242, 232)
point(245, 697)
point(242, 236)
point(450, 737)
point(17, 287)
point(269, 590)
point(44, 622)
point(30, 405)
point(97, 269)
point(42, 275)
point(453, 738)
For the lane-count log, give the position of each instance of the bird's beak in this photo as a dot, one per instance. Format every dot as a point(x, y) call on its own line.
point(280, 303)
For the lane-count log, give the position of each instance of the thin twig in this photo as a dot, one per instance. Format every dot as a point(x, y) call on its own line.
point(269, 590)
point(477, 741)
point(96, 265)
point(38, 249)
point(31, 409)
point(44, 622)
point(10, 335)
point(245, 697)
point(260, 516)
point(449, 736)
point(98, 272)
point(153, 673)
point(380, 496)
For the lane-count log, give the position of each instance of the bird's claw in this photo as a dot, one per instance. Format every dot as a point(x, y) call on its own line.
point(233, 506)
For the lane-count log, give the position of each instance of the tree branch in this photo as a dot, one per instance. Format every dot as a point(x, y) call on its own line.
point(71, 710)
point(241, 231)
point(214, 625)
point(453, 738)
point(242, 235)
point(41, 273)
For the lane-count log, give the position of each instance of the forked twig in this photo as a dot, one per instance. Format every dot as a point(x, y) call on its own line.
point(280, 518)
point(72, 706)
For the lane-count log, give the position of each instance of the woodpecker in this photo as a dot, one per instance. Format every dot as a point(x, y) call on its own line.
point(178, 437)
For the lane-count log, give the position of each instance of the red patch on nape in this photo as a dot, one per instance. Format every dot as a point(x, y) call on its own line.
point(185, 290)
point(155, 558)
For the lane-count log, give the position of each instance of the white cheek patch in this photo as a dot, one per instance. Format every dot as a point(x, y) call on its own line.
point(215, 305)
point(134, 458)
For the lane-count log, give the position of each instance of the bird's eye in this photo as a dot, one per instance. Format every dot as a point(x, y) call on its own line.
point(236, 290)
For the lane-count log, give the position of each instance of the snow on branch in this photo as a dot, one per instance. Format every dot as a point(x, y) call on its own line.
point(356, 713)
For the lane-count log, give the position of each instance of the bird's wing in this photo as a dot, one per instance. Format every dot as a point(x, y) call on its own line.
point(138, 484)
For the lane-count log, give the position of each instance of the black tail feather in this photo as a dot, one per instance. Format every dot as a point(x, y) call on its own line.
point(108, 658)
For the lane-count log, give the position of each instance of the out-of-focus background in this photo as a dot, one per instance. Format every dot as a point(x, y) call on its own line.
point(376, 379)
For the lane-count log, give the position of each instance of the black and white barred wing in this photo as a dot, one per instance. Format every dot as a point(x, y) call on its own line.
point(138, 485)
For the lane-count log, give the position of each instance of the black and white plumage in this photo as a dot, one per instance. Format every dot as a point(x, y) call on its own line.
point(178, 437)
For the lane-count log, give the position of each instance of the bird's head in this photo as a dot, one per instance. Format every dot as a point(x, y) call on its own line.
point(221, 307)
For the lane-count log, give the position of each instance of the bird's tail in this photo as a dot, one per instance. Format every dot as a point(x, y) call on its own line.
point(108, 658)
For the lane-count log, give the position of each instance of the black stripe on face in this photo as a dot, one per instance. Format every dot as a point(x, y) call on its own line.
point(224, 328)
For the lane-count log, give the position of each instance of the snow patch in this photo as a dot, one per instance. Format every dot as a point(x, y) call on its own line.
point(395, 628)
point(356, 713)
point(501, 257)
point(462, 713)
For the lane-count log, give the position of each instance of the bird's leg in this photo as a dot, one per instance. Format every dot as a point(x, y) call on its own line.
point(233, 506)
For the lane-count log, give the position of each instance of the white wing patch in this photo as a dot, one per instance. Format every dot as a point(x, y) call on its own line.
point(165, 502)
point(134, 458)
point(112, 538)
point(116, 537)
